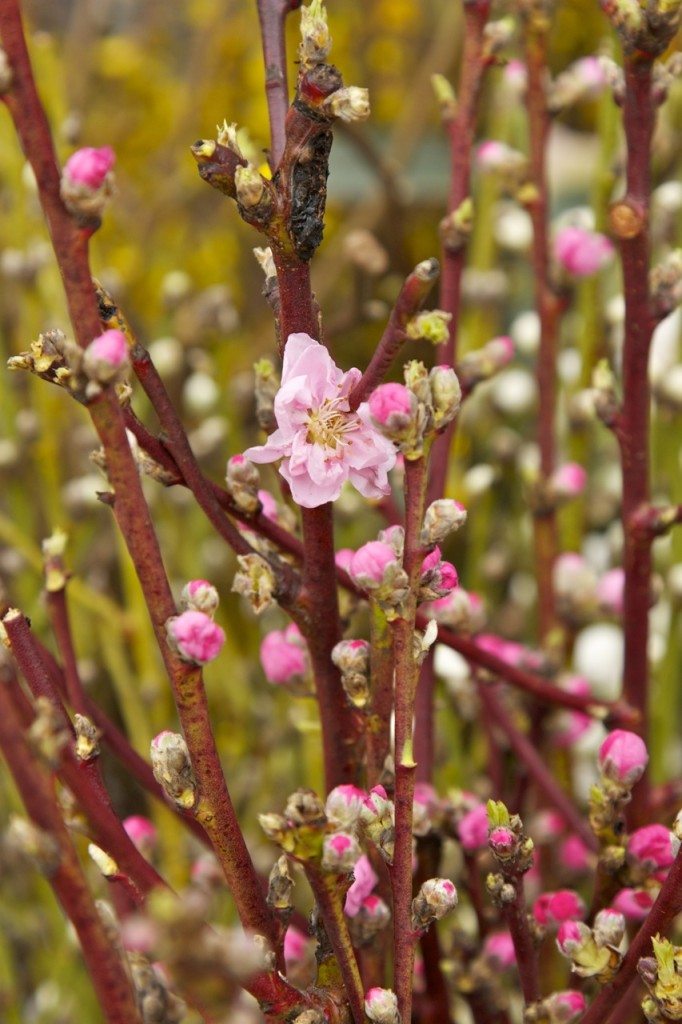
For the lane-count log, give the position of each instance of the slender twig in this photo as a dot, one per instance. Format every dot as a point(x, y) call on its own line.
point(544, 522)
point(327, 893)
point(104, 964)
point(461, 130)
point(516, 917)
point(659, 918)
point(59, 619)
point(405, 686)
point(272, 16)
point(537, 768)
point(629, 218)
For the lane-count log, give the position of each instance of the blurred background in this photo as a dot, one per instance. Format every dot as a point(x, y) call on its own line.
point(148, 78)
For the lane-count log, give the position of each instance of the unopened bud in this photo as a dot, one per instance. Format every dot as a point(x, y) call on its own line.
point(173, 769)
point(304, 807)
point(227, 136)
point(255, 581)
point(392, 407)
point(315, 39)
point(249, 186)
point(381, 1006)
point(200, 596)
point(455, 230)
point(446, 395)
point(565, 1007)
point(105, 360)
point(340, 852)
point(195, 637)
point(87, 737)
point(39, 847)
point(87, 181)
point(609, 928)
point(445, 96)
point(442, 518)
point(436, 898)
point(267, 386)
point(243, 481)
point(348, 104)
point(106, 864)
point(351, 657)
point(623, 757)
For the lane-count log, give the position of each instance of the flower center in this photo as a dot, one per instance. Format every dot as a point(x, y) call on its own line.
point(328, 424)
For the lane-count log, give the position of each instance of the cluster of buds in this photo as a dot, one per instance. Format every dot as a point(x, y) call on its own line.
point(648, 29)
point(300, 830)
point(242, 480)
point(173, 769)
point(87, 182)
point(662, 975)
point(377, 568)
point(559, 1008)
point(83, 372)
point(351, 657)
point(483, 363)
point(255, 581)
point(593, 952)
point(409, 414)
point(509, 844)
point(436, 898)
point(193, 634)
point(285, 660)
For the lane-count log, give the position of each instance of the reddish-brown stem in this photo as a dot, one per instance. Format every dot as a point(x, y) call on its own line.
point(461, 131)
point(537, 768)
point(659, 918)
point(297, 310)
point(59, 619)
point(410, 299)
point(516, 917)
point(82, 777)
point(104, 964)
point(547, 309)
point(327, 893)
point(214, 810)
point(435, 1005)
point(633, 422)
point(405, 686)
point(272, 16)
point(424, 716)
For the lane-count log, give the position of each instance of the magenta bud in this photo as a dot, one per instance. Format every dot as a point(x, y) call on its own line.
point(569, 937)
point(106, 357)
point(142, 832)
point(502, 841)
point(650, 846)
point(284, 656)
point(195, 636)
point(499, 949)
point(634, 904)
point(623, 757)
point(565, 1007)
point(581, 252)
point(370, 562)
point(89, 166)
point(296, 946)
point(556, 907)
point(340, 852)
point(473, 829)
point(200, 596)
point(392, 406)
point(569, 480)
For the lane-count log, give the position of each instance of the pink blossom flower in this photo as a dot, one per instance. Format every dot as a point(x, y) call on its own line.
point(623, 757)
point(634, 904)
point(89, 167)
point(556, 907)
point(364, 880)
point(320, 442)
point(574, 855)
point(650, 846)
point(296, 945)
point(610, 591)
point(195, 636)
point(582, 252)
point(391, 406)
point(283, 655)
point(473, 829)
point(499, 948)
point(142, 832)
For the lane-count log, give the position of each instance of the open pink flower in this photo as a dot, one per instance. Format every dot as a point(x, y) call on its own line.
point(320, 442)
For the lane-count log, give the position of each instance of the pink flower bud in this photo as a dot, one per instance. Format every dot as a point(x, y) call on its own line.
point(574, 855)
point(89, 167)
point(473, 829)
point(268, 505)
point(651, 847)
point(493, 155)
point(200, 596)
point(556, 907)
point(569, 937)
point(392, 406)
point(500, 351)
point(340, 852)
point(516, 76)
point(370, 562)
point(502, 842)
point(634, 904)
point(296, 945)
point(343, 558)
point(623, 757)
point(610, 590)
point(568, 481)
point(424, 807)
point(284, 655)
point(142, 832)
point(582, 252)
point(106, 357)
point(364, 880)
point(499, 949)
point(565, 1007)
point(343, 805)
point(195, 636)
point(381, 1006)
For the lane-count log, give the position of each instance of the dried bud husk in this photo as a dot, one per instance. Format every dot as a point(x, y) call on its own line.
point(280, 885)
point(173, 769)
point(87, 738)
point(34, 844)
point(255, 581)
